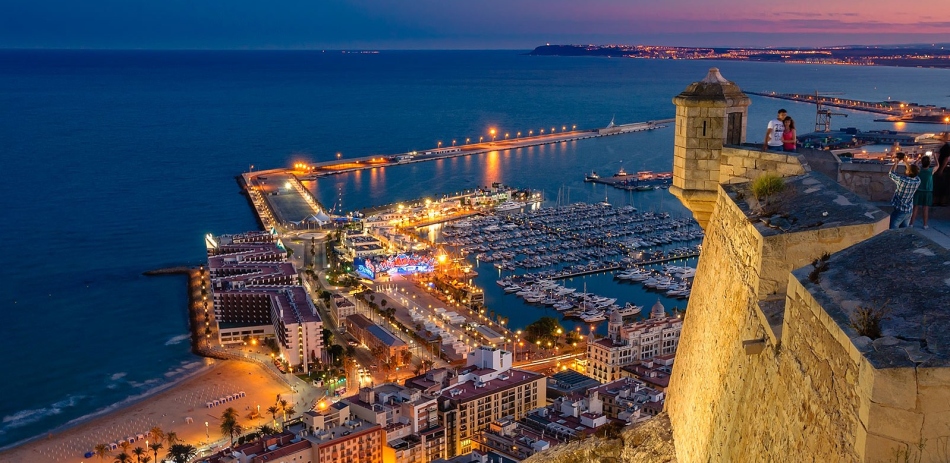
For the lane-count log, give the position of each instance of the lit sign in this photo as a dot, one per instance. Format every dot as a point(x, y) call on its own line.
point(398, 264)
point(365, 268)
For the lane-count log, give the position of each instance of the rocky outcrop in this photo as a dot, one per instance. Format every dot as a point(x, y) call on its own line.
point(649, 442)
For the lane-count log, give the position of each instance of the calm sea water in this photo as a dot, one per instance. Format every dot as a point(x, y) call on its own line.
point(115, 163)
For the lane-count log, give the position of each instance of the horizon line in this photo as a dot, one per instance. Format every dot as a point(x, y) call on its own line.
point(761, 47)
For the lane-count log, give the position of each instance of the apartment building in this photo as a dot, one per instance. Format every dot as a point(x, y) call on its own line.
point(626, 344)
point(486, 390)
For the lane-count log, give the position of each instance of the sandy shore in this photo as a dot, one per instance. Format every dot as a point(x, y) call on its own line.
point(169, 410)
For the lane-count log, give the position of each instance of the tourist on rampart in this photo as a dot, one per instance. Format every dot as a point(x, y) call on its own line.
point(942, 177)
point(924, 195)
point(903, 200)
point(789, 136)
point(773, 134)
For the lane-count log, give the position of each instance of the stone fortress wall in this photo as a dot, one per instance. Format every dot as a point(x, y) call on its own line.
point(765, 372)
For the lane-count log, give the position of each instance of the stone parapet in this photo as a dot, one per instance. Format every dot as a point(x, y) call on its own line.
point(904, 376)
point(869, 181)
point(726, 405)
point(743, 164)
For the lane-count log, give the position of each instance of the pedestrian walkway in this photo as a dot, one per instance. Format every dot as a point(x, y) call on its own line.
point(938, 231)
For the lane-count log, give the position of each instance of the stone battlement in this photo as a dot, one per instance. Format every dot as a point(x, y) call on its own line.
point(769, 367)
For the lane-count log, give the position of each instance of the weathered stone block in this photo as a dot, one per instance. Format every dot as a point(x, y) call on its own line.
point(933, 377)
point(896, 388)
point(882, 449)
point(894, 423)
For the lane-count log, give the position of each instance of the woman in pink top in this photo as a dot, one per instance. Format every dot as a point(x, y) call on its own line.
point(789, 136)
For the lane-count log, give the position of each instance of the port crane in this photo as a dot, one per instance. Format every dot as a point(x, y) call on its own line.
point(823, 114)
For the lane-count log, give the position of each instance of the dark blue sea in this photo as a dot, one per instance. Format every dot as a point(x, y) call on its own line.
point(117, 162)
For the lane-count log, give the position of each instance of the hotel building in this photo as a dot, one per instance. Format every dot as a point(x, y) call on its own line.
point(256, 293)
point(486, 390)
point(631, 343)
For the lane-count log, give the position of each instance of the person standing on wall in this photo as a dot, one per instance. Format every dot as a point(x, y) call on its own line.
point(924, 196)
point(903, 200)
point(773, 134)
point(942, 177)
point(789, 136)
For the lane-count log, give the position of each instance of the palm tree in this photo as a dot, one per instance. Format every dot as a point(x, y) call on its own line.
point(138, 452)
point(283, 407)
point(273, 413)
point(125, 446)
point(102, 451)
point(171, 437)
point(181, 453)
point(145, 459)
point(229, 423)
point(289, 411)
point(156, 446)
point(157, 435)
point(265, 430)
point(122, 458)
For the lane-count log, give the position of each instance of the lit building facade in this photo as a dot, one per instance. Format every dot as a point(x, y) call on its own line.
point(626, 344)
point(409, 417)
point(338, 436)
point(256, 293)
point(486, 390)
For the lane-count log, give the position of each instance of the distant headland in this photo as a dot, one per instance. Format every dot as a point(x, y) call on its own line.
point(930, 56)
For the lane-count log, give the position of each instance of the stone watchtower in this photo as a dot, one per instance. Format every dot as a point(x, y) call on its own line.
point(709, 114)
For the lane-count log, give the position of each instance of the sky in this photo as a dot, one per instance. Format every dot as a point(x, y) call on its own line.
point(465, 24)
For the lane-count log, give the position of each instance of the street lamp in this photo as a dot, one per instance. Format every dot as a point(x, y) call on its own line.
point(492, 132)
point(339, 155)
point(453, 142)
point(467, 140)
point(530, 132)
point(440, 145)
point(207, 433)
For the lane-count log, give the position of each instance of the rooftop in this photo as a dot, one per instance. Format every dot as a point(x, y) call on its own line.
point(903, 272)
point(350, 428)
point(385, 336)
point(814, 202)
point(464, 392)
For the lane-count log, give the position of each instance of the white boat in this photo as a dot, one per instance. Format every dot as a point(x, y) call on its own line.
point(508, 206)
point(562, 306)
point(629, 310)
point(512, 289)
point(593, 316)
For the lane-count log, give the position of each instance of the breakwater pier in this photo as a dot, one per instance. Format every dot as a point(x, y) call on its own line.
point(897, 111)
point(280, 199)
point(501, 142)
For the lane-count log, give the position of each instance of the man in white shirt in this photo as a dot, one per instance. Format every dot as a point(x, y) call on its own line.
point(773, 135)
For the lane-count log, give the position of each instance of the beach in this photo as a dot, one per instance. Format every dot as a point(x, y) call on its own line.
point(181, 408)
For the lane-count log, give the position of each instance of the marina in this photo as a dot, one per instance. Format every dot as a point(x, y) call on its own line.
point(559, 244)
